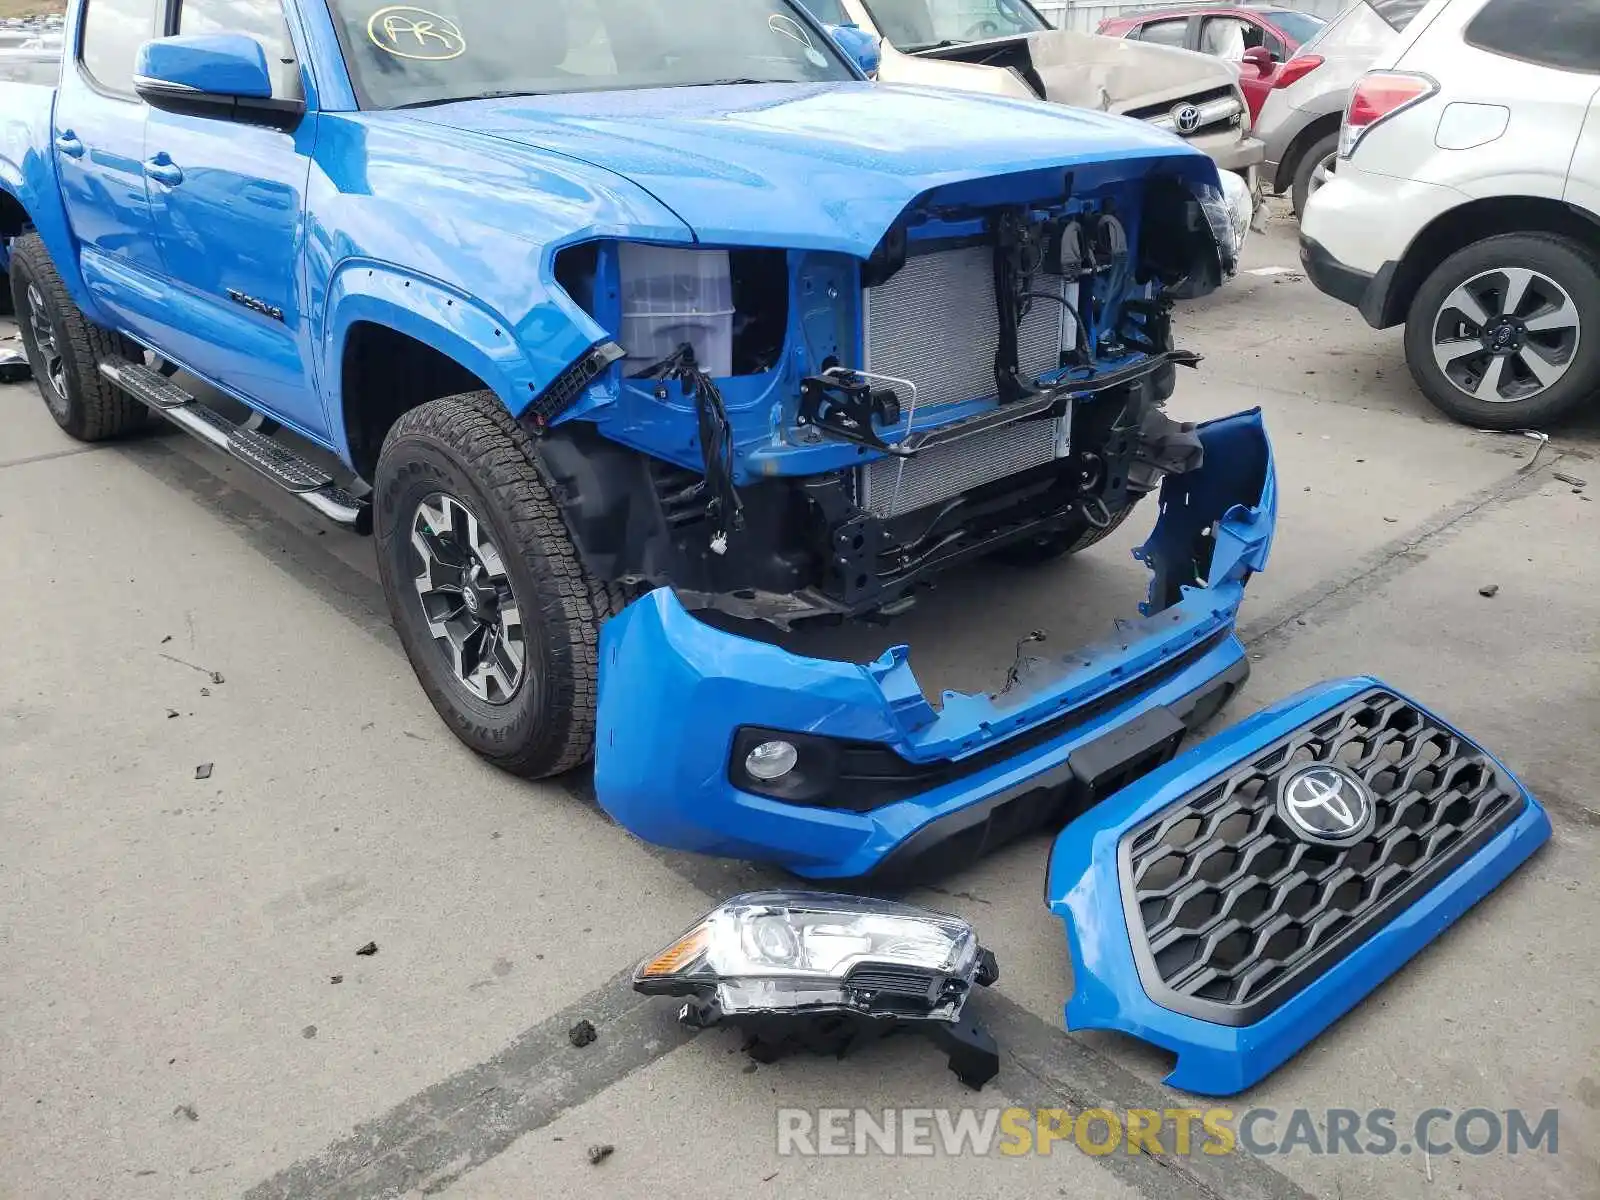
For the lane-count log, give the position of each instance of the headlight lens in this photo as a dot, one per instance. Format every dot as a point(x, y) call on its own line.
point(792, 952)
point(1241, 207)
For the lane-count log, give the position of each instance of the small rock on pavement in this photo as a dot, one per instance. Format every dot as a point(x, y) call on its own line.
point(336, 979)
point(1570, 479)
point(309, 1032)
point(203, 771)
point(1489, 590)
point(187, 1111)
point(598, 1154)
point(368, 950)
point(582, 1034)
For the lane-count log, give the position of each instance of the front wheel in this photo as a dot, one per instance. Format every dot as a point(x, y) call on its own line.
point(1506, 333)
point(485, 588)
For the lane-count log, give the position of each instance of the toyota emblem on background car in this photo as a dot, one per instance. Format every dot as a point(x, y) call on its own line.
point(1186, 117)
point(1324, 803)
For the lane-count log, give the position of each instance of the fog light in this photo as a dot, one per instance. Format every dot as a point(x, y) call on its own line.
point(771, 761)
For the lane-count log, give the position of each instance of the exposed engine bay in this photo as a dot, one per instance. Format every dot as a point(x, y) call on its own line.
point(989, 380)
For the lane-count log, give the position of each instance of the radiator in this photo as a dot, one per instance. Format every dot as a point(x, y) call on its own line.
point(892, 486)
point(935, 324)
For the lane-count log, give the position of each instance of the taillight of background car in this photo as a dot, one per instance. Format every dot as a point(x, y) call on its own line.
point(1296, 69)
point(1377, 96)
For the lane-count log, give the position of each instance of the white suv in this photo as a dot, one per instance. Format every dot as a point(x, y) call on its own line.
point(1466, 204)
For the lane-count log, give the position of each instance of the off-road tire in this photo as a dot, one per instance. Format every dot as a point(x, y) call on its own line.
point(91, 409)
point(1300, 189)
point(1079, 535)
point(1569, 263)
point(7, 307)
point(468, 446)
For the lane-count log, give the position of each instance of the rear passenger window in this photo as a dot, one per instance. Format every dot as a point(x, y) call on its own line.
point(113, 31)
point(1165, 33)
point(1565, 35)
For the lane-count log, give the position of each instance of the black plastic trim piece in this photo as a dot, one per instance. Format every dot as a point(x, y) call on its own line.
point(860, 776)
point(1049, 799)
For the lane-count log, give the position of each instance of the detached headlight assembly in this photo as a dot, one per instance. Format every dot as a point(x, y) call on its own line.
point(819, 972)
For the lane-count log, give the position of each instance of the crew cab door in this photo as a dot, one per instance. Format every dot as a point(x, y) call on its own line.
point(99, 152)
point(229, 209)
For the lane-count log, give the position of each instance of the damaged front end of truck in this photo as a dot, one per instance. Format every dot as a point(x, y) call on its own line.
point(798, 435)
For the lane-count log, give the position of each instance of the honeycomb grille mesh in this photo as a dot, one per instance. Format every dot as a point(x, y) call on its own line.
point(1228, 907)
point(935, 324)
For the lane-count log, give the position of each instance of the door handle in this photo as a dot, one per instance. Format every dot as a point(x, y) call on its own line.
point(164, 171)
point(68, 143)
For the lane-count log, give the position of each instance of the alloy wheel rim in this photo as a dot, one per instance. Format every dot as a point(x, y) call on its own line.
point(43, 333)
point(1322, 172)
point(1506, 335)
point(466, 599)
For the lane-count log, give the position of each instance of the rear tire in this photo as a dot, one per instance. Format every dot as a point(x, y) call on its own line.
point(1553, 331)
point(66, 350)
point(1318, 159)
point(529, 706)
point(1079, 535)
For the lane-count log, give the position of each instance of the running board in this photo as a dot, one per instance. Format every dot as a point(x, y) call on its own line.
point(278, 463)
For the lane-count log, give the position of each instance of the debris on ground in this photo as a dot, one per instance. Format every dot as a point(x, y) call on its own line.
point(188, 1111)
point(598, 1154)
point(582, 1034)
point(1489, 591)
point(336, 979)
point(368, 950)
point(216, 677)
point(14, 367)
point(203, 771)
point(1573, 480)
point(309, 1032)
point(166, 639)
point(205, 691)
point(172, 714)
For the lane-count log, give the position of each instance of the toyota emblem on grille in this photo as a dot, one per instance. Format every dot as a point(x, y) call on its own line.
point(1324, 803)
point(1186, 117)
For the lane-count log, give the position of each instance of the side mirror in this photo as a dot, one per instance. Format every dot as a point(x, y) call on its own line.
point(1261, 58)
point(212, 75)
point(858, 45)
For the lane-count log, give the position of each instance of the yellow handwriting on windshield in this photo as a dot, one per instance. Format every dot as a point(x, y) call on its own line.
point(416, 33)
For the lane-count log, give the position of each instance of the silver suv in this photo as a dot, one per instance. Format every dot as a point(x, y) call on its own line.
point(1300, 121)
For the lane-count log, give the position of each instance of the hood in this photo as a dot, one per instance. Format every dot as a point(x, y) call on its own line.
point(1115, 74)
point(1082, 69)
point(814, 166)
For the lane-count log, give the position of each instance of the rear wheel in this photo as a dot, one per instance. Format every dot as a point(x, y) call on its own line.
point(65, 350)
point(1506, 333)
point(1079, 535)
point(491, 603)
point(1315, 169)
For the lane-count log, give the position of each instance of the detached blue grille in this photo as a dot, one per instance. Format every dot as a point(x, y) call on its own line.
point(1231, 911)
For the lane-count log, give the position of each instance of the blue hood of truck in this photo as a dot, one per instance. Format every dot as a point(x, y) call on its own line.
point(823, 166)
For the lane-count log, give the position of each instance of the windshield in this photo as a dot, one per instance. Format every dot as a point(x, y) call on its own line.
point(926, 24)
point(403, 56)
point(1302, 27)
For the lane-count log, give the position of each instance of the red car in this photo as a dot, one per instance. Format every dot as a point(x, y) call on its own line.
point(1261, 40)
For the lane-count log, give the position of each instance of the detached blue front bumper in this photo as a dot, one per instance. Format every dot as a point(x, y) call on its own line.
point(1203, 920)
point(886, 779)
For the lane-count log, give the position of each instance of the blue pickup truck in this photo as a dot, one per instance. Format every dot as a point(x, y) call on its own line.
point(620, 323)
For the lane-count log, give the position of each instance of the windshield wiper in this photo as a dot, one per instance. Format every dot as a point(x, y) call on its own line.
point(507, 95)
point(944, 45)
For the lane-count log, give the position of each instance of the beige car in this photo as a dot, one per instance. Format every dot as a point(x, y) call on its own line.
point(1006, 48)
